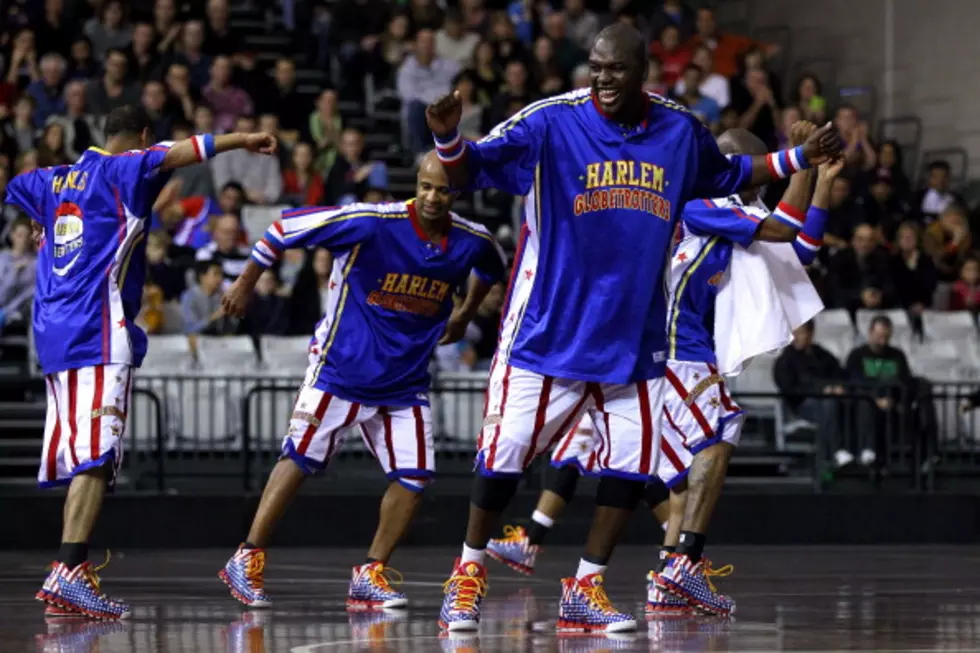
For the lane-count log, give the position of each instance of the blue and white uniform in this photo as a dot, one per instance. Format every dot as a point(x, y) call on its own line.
point(389, 297)
point(90, 273)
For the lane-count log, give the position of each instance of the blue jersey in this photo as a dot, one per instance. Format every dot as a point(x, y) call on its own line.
point(389, 296)
point(588, 299)
point(709, 230)
point(91, 265)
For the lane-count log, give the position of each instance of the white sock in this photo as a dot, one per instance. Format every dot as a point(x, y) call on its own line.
point(586, 568)
point(543, 519)
point(472, 555)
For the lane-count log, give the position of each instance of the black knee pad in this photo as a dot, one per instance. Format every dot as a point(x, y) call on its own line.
point(566, 480)
point(617, 492)
point(493, 493)
point(656, 493)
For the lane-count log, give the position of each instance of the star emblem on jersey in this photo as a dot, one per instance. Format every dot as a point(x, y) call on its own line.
point(682, 257)
point(121, 323)
point(714, 402)
point(333, 284)
point(696, 376)
point(528, 274)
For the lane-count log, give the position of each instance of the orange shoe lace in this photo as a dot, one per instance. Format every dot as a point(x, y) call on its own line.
point(710, 572)
point(513, 534)
point(468, 590)
point(92, 573)
point(383, 577)
point(254, 568)
point(597, 597)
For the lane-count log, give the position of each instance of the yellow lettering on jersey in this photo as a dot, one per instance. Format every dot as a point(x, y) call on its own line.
point(439, 290)
point(389, 284)
point(592, 175)
point(607, 173)
point(622, 169)
point(658, 179)
point(402, 286)
point(415, 286)
point(633, 180)
point(82, 181)
point(56, 184)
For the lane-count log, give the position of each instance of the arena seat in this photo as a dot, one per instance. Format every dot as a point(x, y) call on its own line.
point(256, 219)
point(949, 325)
point(757, 377)
point(285, 356)
point(835, 331)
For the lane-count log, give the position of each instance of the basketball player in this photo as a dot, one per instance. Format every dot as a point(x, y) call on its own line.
point(605, 171)
point(390, 303)
point(90, 272)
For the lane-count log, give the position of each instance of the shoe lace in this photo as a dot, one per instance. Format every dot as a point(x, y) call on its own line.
point(513, 534)
point(92, 573)
point(597, 597)
point(383, 577)
point(254, 566)
point(468, 590)
point(710, 572)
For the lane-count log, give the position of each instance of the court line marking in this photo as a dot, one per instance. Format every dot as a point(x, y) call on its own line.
point(313, 648)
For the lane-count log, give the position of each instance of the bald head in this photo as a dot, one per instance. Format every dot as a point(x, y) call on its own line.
point(741, 141)
point(625, 40)
point(431, 166)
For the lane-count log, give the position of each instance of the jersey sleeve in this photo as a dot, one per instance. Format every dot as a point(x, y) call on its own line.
point(337, 229)
point(491, 263)
point(735, 223)
point(505, 158)
point(26, 191)
point(139, 176)
point(718, 175)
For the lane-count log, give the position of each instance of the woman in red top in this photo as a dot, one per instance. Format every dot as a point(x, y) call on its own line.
point(672, 56)
point(300, 183)
point(966, 291)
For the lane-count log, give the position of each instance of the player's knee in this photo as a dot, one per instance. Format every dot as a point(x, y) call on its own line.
point(493, 493)
point(656, 492)
point(566, 480)
point(615, 492)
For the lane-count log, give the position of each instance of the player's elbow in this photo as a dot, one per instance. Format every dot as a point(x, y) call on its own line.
point(775, 231)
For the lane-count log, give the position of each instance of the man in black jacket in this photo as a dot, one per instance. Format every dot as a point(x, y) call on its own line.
point(808, 368)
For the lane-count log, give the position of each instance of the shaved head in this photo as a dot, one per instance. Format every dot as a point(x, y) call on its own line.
point(741, 141)
point(625, 40)
point(431, 166)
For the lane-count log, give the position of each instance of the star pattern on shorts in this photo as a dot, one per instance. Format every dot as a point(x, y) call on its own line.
point(682, 257)
point(697, 376)
point(333, 284)
point(714, 402)
point(528, 274)
point(121, 323)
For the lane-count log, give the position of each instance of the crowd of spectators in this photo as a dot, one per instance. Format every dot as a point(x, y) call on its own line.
point(892, 242)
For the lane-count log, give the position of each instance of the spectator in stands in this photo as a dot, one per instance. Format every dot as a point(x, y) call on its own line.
point(389, 53)
point(890, 166)
point(229, 102)
point(8, 212)
point(471, 125)
point(858, 150)
point(144, 60)
point(201, 303)
point(109, 31)
point(504, 38)
point(182, 98)
point(51, 32)
point(676, 13)
point(268, 311)
point(913, 272)
point(112, 90)
point(807, 368)
point(51, 147)
point(653, 84)
point(167, 26)
point(151, 316)
point(756, 93)
point(82, 64)
point(726, 46)
point(884, 370)
point(515, 89)
point(882, 207)
point(476, 18)
point(292, 108)
point(17, 269)
point(219, 38)
point(788, 117)
point(672, 56)
point(22, 67)
point(169, 277)
point(521, 14)
point(308, 300)
point(453, 42)
point(582, 25)
point(966, 290)
point(712, 85)
point(948, 242)
point(422, 79)
point(808, 99)
point(195, 179)
point(269, 123)
point(154, 101)
point(46, 91)
point(300, 182)
point(192, 55)
point(544, 68)
point(860, 277)
point(703, 107)
point(226, 248)
point(26, 162)
point(259, 175)
point(424, 14)
point(936, 197)
point(357, 27)
point(20, 130)
point(351, 175)
point(845, 214)
point(323, 130)
point(191, 220)
point(568, 54)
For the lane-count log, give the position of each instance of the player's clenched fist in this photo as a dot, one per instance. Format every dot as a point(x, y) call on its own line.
point(235, 299)
point(261, 142)
point(800, 131)
point(444, 114)
point(822, 144)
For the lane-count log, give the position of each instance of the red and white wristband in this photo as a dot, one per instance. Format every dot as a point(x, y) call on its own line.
point(786, 163)
point(450, 148)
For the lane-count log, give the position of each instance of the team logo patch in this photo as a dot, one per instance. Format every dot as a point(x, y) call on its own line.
point(309, 418)
point(491, 420)
point(112, 411)
point(68, 230)
point(703, 385)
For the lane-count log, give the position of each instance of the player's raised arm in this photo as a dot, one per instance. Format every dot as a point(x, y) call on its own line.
point(787, 220)
point(505, 159)
point(810, 238)
point(205, 146)
point(336, 229)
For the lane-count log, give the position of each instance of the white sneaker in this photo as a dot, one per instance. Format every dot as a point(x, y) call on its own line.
point(843, 458)
point(868, 457)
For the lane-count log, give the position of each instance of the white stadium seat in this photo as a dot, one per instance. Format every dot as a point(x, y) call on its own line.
point(285, 356)
point(256, 219)
point(757, 377)
point(834, 326)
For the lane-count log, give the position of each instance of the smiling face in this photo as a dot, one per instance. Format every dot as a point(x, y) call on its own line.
point(432, 191)
point(617, 76)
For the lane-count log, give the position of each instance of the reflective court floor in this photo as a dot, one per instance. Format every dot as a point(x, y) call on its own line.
point(789, 599)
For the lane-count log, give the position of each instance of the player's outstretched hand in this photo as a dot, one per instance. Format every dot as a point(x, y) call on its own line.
point(828, 170)
point(261, 142)
point(455, 328)
point(822, 145)
point(800, 131)
point(235, 300)
point(444, 114)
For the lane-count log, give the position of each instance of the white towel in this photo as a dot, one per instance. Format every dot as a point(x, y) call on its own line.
point(763, 297)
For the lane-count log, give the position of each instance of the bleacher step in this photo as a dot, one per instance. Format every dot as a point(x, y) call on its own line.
point(34, 424)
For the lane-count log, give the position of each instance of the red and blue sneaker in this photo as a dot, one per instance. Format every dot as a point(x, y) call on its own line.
point(370, 588)
point(585, 608)
point(77, 591)
point(464, 590)
point(660, 603)
point(244, 574)
point(692, 582)
point(515, 550)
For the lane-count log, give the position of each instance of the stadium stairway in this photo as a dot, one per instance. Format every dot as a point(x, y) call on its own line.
point(22, 413)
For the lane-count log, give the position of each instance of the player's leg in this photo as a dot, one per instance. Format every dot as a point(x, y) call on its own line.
point(83, 448)
point(401, 440)
point(712, 424)
point(316, 431)
point(526, 413)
